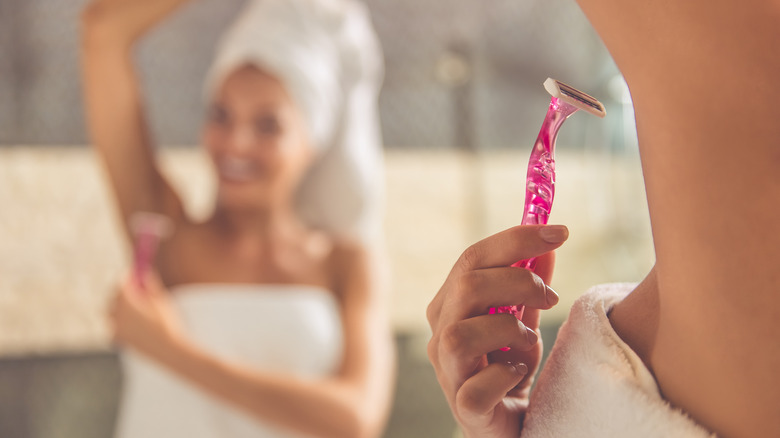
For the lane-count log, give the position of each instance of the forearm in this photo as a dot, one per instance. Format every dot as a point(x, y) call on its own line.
point(116, 122)
point(123, 22)
point(331, 407)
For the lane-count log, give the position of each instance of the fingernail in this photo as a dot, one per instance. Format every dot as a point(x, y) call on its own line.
point(519, 368)
point(530, 335)
point(554, 233)
point(551, 296)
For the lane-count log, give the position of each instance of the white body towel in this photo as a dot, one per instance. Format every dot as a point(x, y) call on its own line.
point(290, 329)
point(595, 385)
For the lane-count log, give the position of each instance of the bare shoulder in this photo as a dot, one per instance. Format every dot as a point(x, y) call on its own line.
point(354, 265)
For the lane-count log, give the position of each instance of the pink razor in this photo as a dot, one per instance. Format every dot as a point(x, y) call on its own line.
point(540, 179)
point(148, 229)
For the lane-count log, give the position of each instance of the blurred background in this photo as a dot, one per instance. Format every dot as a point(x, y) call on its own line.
point(461, 106)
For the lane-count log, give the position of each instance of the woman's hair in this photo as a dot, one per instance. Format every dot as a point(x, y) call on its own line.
point(328, 57)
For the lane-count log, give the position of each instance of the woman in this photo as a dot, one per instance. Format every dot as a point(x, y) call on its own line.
point(694, 348)
point(266, 319)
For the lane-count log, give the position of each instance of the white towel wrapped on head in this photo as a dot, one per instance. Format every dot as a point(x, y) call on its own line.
point(328, 57)
point(595, 385)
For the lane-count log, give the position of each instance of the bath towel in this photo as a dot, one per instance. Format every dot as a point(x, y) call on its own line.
point(594, 385)
point(291, 329)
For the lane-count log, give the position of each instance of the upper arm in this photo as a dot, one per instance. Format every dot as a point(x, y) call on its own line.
point(369, 361)
point(117, 125)
point(703, 77)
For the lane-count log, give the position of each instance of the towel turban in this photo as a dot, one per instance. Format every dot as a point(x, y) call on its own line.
point(328, 57)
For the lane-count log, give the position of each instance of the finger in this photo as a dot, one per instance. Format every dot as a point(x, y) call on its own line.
point(152, 278)
point(132, 298)
point(478, 397)
point(153, 285)
point(509, 246)
point(531, 317)
point(515, 354)
point(131, 285)
point(462, 346)
point(475, 292)
point(502, 249)
point(149, 286)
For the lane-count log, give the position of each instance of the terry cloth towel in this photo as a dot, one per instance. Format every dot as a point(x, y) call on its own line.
point(595, 385)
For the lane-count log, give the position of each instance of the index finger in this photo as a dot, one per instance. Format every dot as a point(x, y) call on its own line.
point(512, 245)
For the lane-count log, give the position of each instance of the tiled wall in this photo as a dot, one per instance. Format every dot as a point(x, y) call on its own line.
point(62, 251)
point(513, 46)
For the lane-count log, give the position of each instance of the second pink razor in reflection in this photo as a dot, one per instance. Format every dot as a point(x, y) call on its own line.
point(148, 230)
point(540, 179)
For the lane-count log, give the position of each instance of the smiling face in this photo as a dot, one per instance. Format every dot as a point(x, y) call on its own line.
point(257, 139)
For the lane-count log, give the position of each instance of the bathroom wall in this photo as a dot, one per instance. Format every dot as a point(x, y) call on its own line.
point(461, 105)
point(507, 47)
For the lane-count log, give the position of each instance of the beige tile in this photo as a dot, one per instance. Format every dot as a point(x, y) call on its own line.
point(61, 251)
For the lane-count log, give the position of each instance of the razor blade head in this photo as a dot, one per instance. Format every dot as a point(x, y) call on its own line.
point(145, 222)
point(574, 97)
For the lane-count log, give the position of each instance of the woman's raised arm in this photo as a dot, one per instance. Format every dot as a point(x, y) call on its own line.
point(114, 104)
point(704, 79)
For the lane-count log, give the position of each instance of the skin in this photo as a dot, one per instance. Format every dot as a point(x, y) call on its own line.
point(712, 333)
point(488, 390)
point(258, 143)
point(703, 77)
